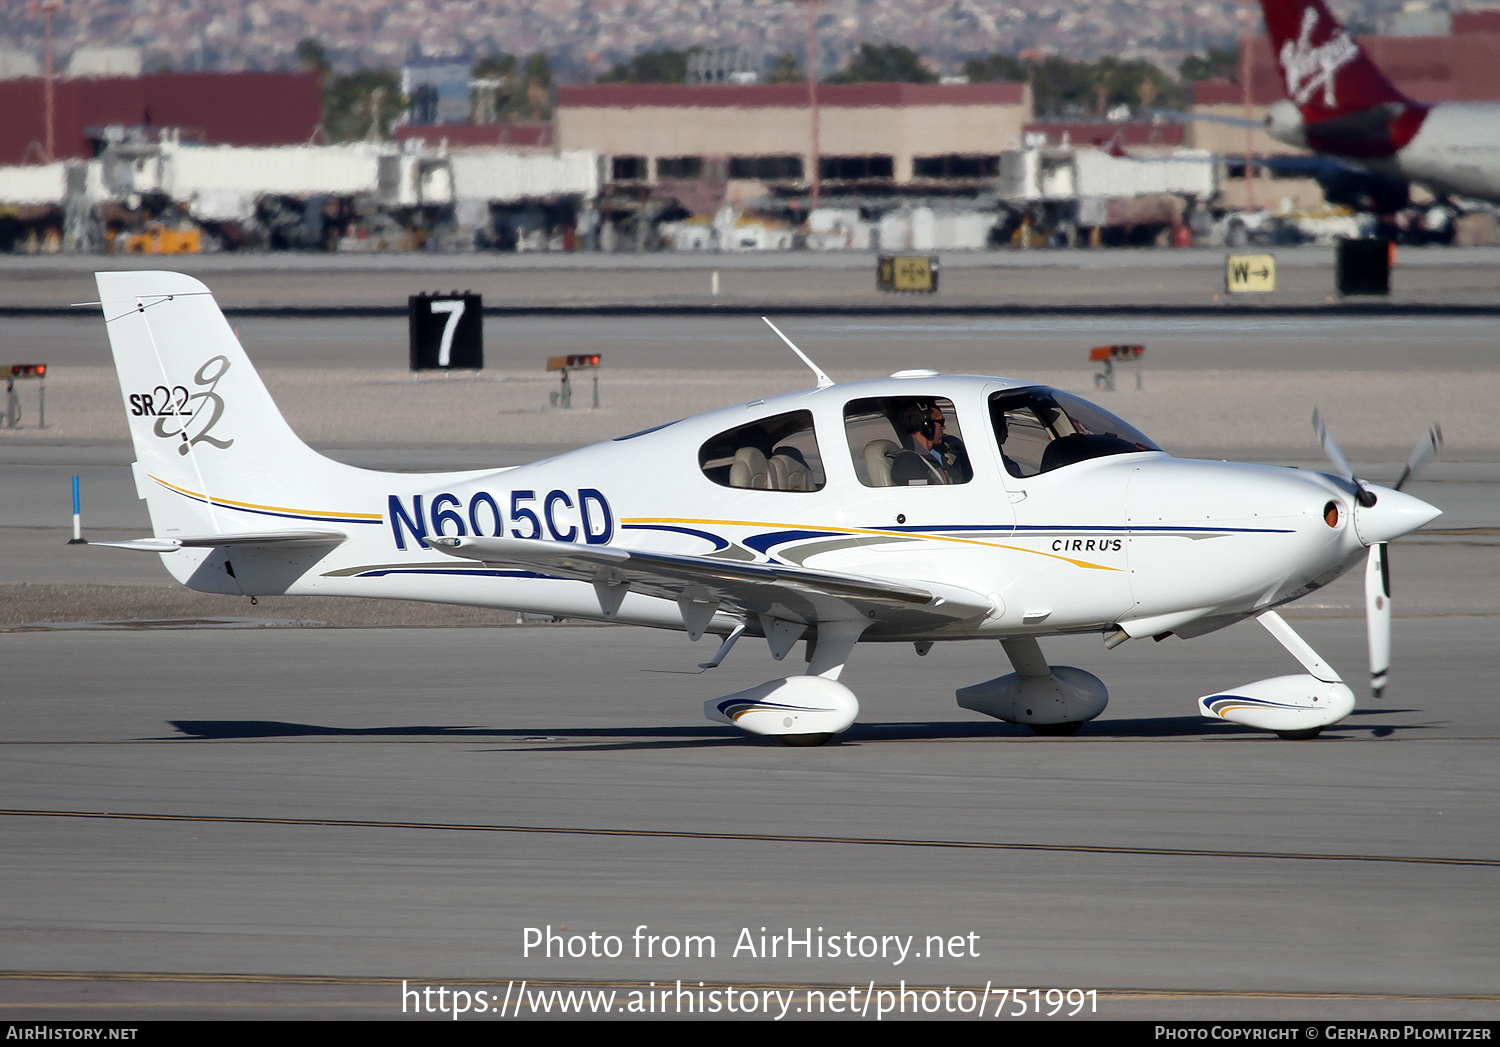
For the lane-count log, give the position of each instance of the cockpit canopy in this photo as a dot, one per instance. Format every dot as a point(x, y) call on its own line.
point(1040, 429)
point(915, 440)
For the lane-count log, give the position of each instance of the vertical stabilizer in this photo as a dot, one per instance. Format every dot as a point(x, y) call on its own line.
point(213, 453)
point(1324, 71)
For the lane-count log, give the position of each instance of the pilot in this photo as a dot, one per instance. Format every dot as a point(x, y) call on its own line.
point(1002, 433)
point(920, 462)
point(955, 455)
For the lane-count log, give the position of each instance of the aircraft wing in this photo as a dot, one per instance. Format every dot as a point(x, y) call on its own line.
point(700, 585)
point(213, 541)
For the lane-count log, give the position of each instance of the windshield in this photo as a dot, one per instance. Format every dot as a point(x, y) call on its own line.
point(1041, 429)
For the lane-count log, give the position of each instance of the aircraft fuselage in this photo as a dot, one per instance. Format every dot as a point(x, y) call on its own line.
point(1141, 540)
point(1457, 150)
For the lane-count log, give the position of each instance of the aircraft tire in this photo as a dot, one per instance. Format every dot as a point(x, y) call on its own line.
point(802, 741)
point(1051, 730)
point(1300, 736)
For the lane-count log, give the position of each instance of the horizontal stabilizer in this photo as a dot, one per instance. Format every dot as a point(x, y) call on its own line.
point(287, 539)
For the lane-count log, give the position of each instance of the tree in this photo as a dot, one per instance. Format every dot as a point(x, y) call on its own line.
point(313, 56)
point(358, 105)
point(1221, 63)
point(1065, 88)
point(539, 87)
point(1060, 86)
point(884, 64)
point(495, 67)
point(497, 92)
point(666, 66)
point(505, 90)
point(539, 70)
point(1133, 83)
point(1077, 89)
point(362, 105)
point(995, 67)
point(786, 70)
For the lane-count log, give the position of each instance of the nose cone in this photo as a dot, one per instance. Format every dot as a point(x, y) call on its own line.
point(1392, 515)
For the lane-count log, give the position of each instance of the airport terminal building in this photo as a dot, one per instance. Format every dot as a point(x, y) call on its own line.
point(930, 137)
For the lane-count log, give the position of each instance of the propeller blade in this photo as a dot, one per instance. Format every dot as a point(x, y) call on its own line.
point(1426, 447)
point(1336, 456)
point(1378, 567)
point(1378, 614)
point(1331, 447)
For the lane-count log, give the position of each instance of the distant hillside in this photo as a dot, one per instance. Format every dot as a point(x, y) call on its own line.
point(587, 37)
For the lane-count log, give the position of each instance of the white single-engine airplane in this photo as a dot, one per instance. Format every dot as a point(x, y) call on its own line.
point(1340, 103)
point(920, 508)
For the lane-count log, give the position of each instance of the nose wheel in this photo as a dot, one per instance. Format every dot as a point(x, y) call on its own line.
point(805, 741)
point(1294, 707)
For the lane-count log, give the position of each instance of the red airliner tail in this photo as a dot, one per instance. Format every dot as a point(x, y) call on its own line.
point(1324, 71)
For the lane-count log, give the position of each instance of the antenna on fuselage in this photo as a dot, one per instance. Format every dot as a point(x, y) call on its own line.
point(823, 380)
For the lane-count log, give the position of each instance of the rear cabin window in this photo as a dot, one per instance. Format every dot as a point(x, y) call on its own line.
point(906, 441)
point(773, 454)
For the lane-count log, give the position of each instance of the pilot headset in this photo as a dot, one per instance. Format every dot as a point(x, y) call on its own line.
point(927, 427)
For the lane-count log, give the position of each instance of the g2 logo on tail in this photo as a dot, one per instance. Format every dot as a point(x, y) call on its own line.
point(175, 412)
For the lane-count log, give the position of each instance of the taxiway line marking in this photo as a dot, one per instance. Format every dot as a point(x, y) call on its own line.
point(673, 834)
point(174, 977)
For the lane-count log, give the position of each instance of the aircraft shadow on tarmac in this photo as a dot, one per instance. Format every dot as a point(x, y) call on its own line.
point(708, 735)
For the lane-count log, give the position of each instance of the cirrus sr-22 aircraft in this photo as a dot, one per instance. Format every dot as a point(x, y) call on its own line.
point(915, 509)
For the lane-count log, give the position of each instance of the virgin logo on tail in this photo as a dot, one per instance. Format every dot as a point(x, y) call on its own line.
point(1308, 67)
point(1326, 73)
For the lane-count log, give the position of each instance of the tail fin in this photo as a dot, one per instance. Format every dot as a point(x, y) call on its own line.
point(213, 453)
point(1324, 71)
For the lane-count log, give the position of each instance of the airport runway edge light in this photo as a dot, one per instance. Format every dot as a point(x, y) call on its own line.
point(11, 417)
point(563, 397)
point(573, 362)
point(1104, 380)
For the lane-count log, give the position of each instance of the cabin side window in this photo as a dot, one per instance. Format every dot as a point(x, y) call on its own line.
point(773, 454)
point(906, 441)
